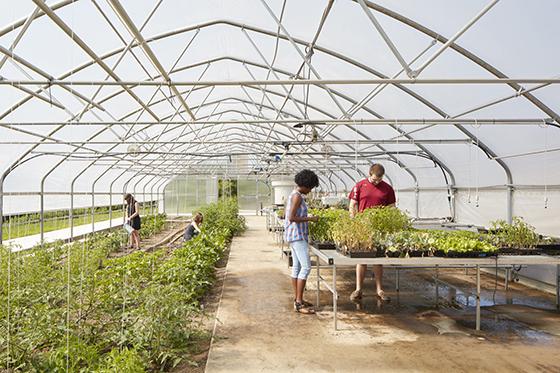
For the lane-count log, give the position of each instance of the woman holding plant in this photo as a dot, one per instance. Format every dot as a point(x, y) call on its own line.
point(296, 234)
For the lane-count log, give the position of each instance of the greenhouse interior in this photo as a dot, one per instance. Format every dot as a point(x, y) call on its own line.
point(279, 185)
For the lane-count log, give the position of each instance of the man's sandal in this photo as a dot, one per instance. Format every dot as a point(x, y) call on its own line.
point(381, 295)
point(301, 308)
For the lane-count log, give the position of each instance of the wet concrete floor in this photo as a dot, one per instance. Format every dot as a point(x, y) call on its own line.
point(259, 331)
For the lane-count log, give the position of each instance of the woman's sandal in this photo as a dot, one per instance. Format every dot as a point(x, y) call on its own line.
point(301, 308)
point(305, 303)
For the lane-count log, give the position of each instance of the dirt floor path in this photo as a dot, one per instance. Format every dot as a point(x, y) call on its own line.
point(258, 331)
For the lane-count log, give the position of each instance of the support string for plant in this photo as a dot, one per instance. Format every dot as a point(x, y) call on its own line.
point(477, 176)
point(356, 144)
point(469, 173)
point(545, 165)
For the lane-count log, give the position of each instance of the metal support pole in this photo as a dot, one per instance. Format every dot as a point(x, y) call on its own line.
point(416, 202)
point(449, 42)
point(385, 37)
point(1, 209)
point(110, 207)
point(335, 296)
point(506, 279)
point(92, 210)
point(477, 297)
point(42, 215)
point(71, 215)
point(318, 280)
point(437, 286)
point(163, 199)
point(558, 287)
point(397, 280)
point(509, 211)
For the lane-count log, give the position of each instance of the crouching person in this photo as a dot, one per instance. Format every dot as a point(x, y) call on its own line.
point(297, 235)
point(193, 229)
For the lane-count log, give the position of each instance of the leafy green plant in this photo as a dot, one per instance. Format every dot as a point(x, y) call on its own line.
point(463, 242)
point(152, 224)
point(386, 219)
point(132, 313)
point(321, 231)
point(519, 234)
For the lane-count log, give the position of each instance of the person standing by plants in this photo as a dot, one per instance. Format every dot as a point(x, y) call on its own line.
point(133, 214)
point(368, 193)
point(193, 229)
point(296, 234)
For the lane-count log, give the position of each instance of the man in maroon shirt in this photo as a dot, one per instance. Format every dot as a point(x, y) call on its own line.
point(370, 192)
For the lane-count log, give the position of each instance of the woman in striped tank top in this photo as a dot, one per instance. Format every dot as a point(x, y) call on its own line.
point(297, 234)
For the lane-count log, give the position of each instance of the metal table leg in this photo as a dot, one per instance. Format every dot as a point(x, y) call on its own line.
point(437, 286)
point(558, 287)
point(335, 296)
point(318, 280)
point(477, 297)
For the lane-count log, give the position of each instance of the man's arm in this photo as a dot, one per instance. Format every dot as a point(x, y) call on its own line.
point(353, 208)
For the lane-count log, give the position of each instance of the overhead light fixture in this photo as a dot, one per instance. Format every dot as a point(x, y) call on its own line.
point(308, 123)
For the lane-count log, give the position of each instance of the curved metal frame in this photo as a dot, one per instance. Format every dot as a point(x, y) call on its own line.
point(43, 9)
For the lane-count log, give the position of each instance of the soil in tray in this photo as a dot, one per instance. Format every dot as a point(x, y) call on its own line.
point(517, 251)
point(456, 254)
point(358, 254)
point(324, 245)
point(549, 249)
point(470, 254)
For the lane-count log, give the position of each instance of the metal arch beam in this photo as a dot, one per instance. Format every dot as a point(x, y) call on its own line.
point(325, 113)
point(335, 137)
point(352, 129)
point(442, 164)
point(370, 4)
point(238, 134)
point(324, 50)
point(464, 52)
point(85, 47)
point(121, 12)
point(283, 134)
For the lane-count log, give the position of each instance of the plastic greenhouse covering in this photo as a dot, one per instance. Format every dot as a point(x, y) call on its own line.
point(459, 101)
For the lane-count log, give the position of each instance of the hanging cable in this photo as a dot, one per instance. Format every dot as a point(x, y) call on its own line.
point(545, 165)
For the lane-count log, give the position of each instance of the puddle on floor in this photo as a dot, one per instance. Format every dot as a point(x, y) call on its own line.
point(414, 310)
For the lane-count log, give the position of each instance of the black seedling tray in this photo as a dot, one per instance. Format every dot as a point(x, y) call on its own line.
point(358, 254)
point(324, 245)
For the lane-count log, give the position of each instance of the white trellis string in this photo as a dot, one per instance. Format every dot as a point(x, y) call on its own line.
point(356, 143)
point(469, 171)
point(477, 162)
point(545, 164)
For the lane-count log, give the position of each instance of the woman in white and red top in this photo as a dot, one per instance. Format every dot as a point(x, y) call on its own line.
point(371, 192)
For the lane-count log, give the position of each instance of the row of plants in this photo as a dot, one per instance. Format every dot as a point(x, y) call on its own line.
point(75, 308)
point(152, 224)
point(29, 223)
point(386, 231)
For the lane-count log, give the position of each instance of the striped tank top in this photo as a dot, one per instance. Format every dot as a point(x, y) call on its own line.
point(296, 231)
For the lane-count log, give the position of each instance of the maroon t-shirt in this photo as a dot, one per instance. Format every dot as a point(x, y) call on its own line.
point(369, 195)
